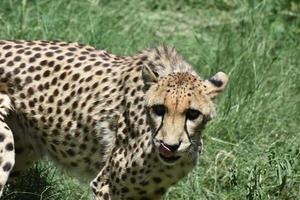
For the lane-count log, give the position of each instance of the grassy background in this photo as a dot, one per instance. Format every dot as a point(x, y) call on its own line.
point(252, 149)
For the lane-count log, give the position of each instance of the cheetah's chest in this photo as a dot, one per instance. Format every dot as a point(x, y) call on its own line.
point(140, 173)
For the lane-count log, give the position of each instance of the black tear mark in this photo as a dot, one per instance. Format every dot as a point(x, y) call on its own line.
point(215, 82)
point(155, 73)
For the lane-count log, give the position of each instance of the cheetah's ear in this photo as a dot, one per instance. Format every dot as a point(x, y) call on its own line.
point(216, 84)
point(149, 76)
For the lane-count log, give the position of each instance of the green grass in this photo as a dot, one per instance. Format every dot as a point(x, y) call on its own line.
point(252, 149)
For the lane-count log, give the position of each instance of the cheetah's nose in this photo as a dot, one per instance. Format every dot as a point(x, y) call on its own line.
point(168, 150)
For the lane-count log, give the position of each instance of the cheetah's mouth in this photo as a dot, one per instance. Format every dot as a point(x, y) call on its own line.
point(166, 155)
point(169, 160)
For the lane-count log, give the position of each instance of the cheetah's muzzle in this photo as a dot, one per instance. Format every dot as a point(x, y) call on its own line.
point(166, 154)
point(169, 160)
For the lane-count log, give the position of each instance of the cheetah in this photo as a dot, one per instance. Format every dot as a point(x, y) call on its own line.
point(130, 124)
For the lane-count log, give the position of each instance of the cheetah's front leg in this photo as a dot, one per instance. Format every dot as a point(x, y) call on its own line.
point(100, 186)
point(7, 153)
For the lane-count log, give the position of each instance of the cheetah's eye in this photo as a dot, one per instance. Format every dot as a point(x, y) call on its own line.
point(159, 110)
point(192, 114)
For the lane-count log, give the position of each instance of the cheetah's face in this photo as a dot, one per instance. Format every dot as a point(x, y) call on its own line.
point(179, 105)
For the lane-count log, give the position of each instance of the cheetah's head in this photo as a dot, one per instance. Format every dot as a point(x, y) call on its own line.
point(179, 105)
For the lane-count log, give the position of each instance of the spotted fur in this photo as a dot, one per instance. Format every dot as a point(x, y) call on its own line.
point(128, 121)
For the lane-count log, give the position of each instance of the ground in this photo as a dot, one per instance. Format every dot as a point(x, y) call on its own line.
point(251, 150)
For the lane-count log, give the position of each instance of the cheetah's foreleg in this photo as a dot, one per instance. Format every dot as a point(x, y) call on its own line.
point(100, 186)
point(7, 153)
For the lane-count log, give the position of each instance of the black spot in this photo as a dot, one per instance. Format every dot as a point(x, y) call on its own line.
point(82, 146)
point(66, 86)
point(17, 58)
point(135, 79)
point(124, 190)
point(9, 147)
point(87, 68)
point(62, 76)
point(60, 57)
point(156, 179)
point(37, 55)
point(28, 53)
point(7, 167)
point(106, 196)
point(51, 64)
point(132, 180)
point(70, 152)
point(32, 59)
point(144, 183)
point(7, 47)
point(20, 51)
point(77, 65)
point(36, 49)
point(57, 68)
point(100, 72)
point(37, 77)
point(51, 99)
point(2, 137)
point(71, 49)
point(82, 58)
point(16, 71)
point(10, 63)
point(43, 62)
point(46, 73)
point(215, 82)
point(49, 54)
point(98, 63)
point(31, 103)
point(28, 79)
point(75, 77)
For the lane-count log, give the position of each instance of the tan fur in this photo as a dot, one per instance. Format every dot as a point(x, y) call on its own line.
point(92, 112)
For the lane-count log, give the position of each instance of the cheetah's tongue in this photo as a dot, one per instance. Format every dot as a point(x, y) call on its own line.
point(165, 151)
